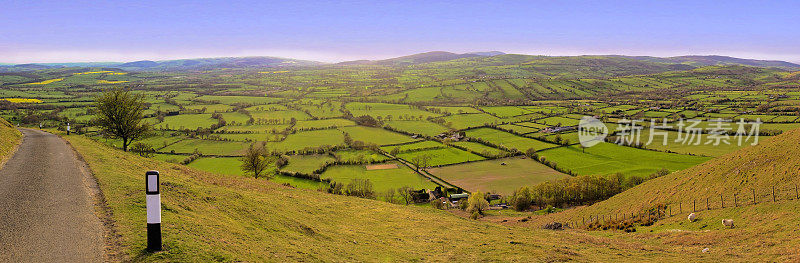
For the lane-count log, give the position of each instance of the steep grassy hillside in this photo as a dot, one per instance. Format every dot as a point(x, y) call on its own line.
point(765, 229)
point(9, 139)
point(209, 217)
point(773, 162)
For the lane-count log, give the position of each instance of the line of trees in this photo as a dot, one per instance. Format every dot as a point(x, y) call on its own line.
point(573, 191)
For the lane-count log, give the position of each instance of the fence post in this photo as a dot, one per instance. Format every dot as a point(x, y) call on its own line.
point(694, 205)
point(795, 192)
point(773, 194)
point(707, 207)
point(153, 207)
point(735, 203)
point(722, 200)
point(754, 196)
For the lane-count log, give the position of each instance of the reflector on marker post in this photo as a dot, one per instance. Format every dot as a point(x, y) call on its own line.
point(153, 211)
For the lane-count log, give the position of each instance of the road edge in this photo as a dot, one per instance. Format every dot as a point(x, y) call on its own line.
point(111, 237)
point(13, 150)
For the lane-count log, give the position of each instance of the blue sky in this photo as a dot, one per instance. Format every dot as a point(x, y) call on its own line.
point(61, 31)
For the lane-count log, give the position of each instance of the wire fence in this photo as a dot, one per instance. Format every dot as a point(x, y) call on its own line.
point(740, 198)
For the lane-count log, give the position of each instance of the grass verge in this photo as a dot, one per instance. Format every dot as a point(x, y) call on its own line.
point(10, 138)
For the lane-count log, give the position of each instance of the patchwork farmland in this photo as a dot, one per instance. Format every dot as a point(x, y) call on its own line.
point(433, 134)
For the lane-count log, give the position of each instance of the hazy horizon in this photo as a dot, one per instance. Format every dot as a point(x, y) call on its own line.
point(86, 31)
point(355, 59)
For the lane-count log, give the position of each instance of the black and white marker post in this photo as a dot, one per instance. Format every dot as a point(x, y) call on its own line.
point(153, 211)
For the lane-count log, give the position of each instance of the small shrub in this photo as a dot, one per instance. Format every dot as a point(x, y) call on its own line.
point(477, 203)
point(142, 149)
point(475, 215)
point(438, 204)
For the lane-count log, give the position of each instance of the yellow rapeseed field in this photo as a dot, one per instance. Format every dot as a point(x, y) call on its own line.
point(93, 72)
point(21, 100)
point(102, 81)
point(45, 82)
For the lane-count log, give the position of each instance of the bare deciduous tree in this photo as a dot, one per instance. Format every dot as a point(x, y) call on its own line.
point(120, 115)
point(255, 161)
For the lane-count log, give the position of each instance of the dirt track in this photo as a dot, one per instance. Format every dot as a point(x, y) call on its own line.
point(47, 213)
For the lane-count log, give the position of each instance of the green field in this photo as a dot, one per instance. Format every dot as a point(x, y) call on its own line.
point(607, 158)
point(375, 135)
point(509, 140)
point(442, 156)
point(559, 121)
point(416, 146)
point(308, 139)
point(319, 124)
point(506, 111)
point(206, 147)
point(480, 148)
point(518, 128)
point(501, 176)
point(697, 144)
point(464, 121)
point(417, 127)
point(382, 180)
point(384, 110)
point(307, 163)
point(265, 128)
point(187, 121)
point(360, 155)
point(209, 108)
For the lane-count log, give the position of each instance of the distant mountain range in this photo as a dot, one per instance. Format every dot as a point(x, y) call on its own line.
point(173, 65)
point(427, 57)
point(719, 60)
point(416, 59)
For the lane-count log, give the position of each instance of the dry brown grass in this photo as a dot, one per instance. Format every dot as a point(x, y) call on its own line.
point(381, 166)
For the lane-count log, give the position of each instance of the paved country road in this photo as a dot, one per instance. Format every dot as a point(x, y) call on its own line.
point(47, 211)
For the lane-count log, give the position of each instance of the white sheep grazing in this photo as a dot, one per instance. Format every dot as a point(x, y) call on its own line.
point(727, 222)
point(692, 217)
